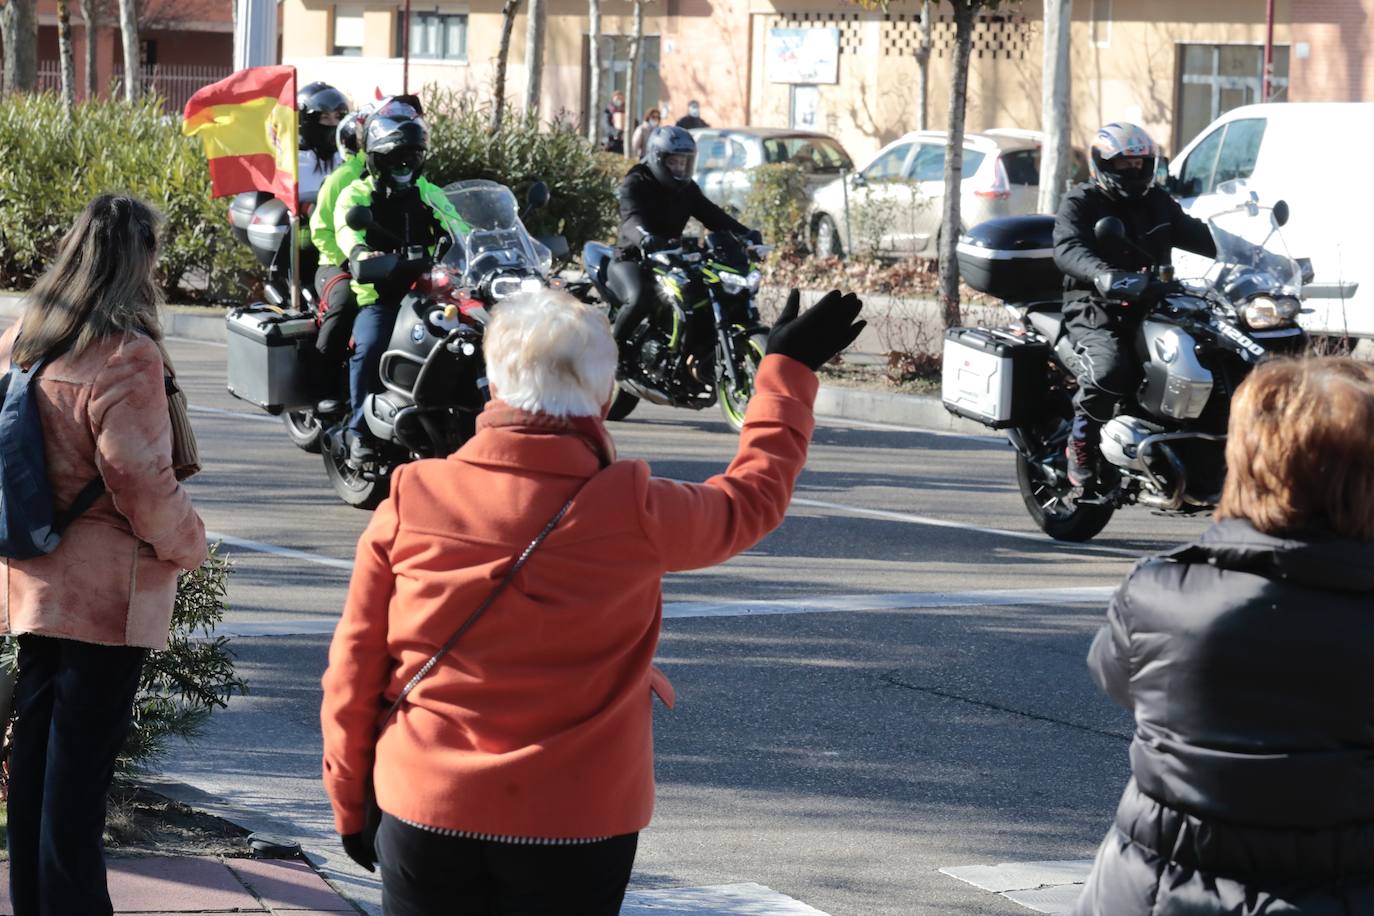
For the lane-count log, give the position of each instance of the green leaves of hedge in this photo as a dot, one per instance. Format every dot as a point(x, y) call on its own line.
point(778, 204)
point(54, 164)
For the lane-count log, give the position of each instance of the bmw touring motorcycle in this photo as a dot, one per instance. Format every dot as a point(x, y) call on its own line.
point(1165, 448)
point(702, 340)
point(432, 371)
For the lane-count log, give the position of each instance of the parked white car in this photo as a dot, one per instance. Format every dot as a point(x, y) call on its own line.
point(1299, 152)
point(894, 204)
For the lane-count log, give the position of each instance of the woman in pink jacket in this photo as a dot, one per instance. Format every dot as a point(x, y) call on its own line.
point(87, 613)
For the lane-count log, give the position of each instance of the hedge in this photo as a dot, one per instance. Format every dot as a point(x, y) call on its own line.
point(778, 205)
point(55, 163)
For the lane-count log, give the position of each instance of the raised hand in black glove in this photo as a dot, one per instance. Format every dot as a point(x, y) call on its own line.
point(359, 850)
point(818, 335)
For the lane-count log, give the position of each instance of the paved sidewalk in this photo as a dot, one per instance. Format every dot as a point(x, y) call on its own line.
point(164, 885)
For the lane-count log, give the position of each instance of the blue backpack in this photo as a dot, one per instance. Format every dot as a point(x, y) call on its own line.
point(29, 525)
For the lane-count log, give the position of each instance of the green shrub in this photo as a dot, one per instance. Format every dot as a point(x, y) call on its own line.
point(54, 164)
point(582, 183)
point(183, 683)
point(778, 205)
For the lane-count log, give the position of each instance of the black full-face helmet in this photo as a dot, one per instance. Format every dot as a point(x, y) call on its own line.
point(349, 136)
point(1123, 161)
point(671, 155)
point(395, 141)
point(320, 107)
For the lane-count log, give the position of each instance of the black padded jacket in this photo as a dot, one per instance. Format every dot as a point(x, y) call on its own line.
point(647, 207)
point(1246, 660)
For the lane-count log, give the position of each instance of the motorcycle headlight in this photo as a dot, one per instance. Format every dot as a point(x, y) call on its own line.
point(1262, 314)
point(739, 283)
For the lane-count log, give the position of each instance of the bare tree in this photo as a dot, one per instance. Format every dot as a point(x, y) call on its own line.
point(65, 56)
point(923, 49)
point(632, 88)
point(128, 29)
point(534, 54)
point(498, 89)
point(88, 50)
point(1054, 105)
point(593, 71)
point(19, 33)
point(965, 16)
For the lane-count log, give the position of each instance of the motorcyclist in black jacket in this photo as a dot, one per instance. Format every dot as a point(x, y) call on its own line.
point(1101, 329)
point(657, 198)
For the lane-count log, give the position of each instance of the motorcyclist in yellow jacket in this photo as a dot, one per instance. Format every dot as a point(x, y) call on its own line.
point(406, 211)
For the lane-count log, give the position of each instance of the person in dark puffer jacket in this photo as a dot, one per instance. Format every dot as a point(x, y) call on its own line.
point(1246, 660)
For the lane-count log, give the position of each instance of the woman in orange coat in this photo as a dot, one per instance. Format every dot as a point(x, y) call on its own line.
point(87, 613)
point(516, 776)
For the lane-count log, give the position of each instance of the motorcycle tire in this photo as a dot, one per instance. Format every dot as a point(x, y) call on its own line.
point(304, 429)
point(352, 487)
point(1051, 510)
point(734, 400)
point(623, 405)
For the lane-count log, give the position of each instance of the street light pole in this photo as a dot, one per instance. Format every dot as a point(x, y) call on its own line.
point(1268, 51)
point(405, 52)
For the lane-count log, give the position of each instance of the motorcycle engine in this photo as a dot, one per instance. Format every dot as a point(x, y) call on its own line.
point(1121, 438)
point(651, 354)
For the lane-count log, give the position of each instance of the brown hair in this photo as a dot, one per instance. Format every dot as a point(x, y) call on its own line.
point(101, 282)
point(652, 113)
point(1300, 452)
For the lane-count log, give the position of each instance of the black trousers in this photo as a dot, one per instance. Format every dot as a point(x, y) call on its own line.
point(1104, 360)
point(73, 705)
point(426, 874)
point(338, 307)
point(629, 280)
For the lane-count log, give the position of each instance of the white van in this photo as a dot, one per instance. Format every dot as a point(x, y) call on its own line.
point(1313, 155)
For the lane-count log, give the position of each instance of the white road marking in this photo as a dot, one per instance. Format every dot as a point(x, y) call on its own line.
point(238, 414)
point(928, 521)
point(1045, 887)
point(833, 604)
point(719, 900)
point(276, 551)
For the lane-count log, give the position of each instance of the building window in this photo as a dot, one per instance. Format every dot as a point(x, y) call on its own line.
point(1102, 23)
point(1213, 79)
point(348, 31)
point(437, 36)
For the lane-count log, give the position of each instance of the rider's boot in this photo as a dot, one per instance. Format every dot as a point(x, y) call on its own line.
point(360, 449)
point(1081, 452)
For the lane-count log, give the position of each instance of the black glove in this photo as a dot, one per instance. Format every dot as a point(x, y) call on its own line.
point(359, 851)
point(1121, 285)
point(650, 243)
point(754, 237)
point(819, 335)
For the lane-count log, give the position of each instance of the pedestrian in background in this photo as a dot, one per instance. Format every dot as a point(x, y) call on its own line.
point(1245, 658)
point(642, 132)
point(613, 124)
point(87, 613)
point(517, 774)
point(692, 119)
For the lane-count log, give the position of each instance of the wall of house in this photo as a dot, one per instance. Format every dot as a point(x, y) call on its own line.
point(1337, 62)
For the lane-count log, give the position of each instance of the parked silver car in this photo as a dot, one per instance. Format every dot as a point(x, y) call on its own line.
point(725, 156)
point(894, 205)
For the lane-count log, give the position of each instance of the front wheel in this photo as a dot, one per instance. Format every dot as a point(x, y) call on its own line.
point(1046, 493)
point(304, 429)
point(623, 405)
point(355, 489)
point(734, 396)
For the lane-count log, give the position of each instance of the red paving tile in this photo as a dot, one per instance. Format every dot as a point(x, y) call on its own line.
point(160, 883)
point(289, 885)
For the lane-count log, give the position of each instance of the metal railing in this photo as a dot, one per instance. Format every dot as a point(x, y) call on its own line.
point(175, 83)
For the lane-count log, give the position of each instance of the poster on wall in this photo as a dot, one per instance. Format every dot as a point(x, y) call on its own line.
point(803, 56)
point(806, 105)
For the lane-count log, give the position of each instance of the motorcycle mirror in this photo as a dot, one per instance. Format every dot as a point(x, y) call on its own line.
point(1281, 213)
point(358, 218)
point(537, 197)
point(1110, 229)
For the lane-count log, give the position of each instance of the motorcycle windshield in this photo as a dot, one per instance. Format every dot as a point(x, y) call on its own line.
point(1251, 254)
point(496, 239)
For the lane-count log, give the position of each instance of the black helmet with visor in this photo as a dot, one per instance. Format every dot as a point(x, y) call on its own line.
point(320, 107)
point(395, 141)
point(671, 155)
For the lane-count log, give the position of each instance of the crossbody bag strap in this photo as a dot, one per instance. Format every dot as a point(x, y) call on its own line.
point(481, 609)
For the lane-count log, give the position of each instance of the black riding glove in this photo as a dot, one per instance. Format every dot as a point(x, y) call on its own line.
point(821, 333)
point(1121, 285)
point(754, 237)
point(359, 851)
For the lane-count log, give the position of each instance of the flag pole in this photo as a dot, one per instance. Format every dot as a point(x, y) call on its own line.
point(296, 218)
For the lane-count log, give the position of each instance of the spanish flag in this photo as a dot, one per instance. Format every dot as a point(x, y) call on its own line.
point(247, 122)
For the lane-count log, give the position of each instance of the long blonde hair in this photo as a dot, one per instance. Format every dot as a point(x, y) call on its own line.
point(100, 284)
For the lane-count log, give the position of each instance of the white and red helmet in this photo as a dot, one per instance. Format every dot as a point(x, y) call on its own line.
point(1123, 161)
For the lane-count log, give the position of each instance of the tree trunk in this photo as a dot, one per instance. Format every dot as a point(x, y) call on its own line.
point(88, 52)
point(594, 71)
point(128, 28)
point(964, 12)
point(498, 89)
point(19, 32)
point(632, 105)
point(1056, 154)
point(65, 56)
point(923, 49)
point(534, 54)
